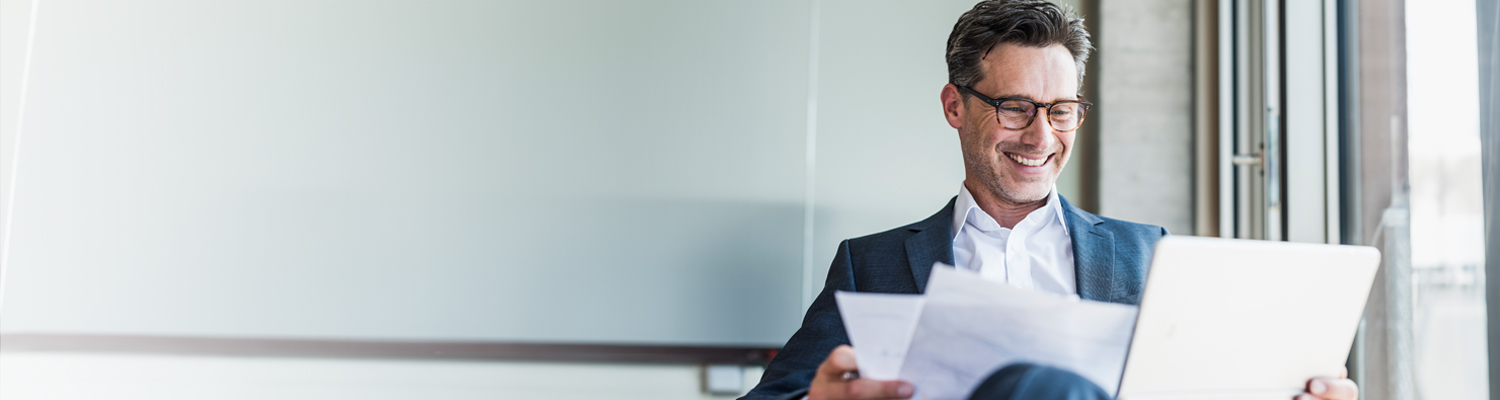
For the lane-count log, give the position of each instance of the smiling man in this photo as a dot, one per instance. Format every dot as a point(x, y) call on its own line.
point(1014, 69)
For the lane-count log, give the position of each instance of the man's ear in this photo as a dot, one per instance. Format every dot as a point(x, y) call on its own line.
point(953, 106)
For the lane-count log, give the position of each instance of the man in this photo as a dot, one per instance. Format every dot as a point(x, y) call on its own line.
point(1015, 69)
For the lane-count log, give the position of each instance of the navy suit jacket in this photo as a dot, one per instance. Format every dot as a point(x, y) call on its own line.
point(1110, 257)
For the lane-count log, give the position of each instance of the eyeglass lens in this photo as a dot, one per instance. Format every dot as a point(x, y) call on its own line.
point(1016, 114)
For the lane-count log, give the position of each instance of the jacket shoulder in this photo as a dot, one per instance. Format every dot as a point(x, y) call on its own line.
point(1127, 228)
point(892, 237)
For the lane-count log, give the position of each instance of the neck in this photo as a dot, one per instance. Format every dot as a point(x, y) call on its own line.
point(1006, 212)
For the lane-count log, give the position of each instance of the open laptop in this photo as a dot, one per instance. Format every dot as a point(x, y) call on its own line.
point(1245, 319)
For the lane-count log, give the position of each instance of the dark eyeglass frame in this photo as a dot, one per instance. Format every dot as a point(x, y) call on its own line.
point(1030, 118)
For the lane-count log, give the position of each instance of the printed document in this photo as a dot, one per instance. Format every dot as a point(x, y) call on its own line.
point(967, 327)
point(880, 327)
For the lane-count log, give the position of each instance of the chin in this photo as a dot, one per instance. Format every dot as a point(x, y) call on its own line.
point(1026, 192)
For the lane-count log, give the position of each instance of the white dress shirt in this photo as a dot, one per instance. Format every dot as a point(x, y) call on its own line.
point(1037, 254)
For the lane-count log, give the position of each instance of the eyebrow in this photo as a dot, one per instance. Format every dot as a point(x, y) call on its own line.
point(1017, 96)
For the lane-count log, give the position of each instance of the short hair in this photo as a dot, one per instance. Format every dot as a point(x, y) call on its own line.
point(1031, 23)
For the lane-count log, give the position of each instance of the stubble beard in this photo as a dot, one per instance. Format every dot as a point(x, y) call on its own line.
point(987, 168)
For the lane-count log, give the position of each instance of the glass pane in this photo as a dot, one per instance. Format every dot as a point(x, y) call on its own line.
point(1447, 220)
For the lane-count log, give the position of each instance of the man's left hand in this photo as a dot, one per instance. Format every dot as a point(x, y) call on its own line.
point(1329, 388)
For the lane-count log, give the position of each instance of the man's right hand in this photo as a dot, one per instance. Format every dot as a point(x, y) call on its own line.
point(830, 382)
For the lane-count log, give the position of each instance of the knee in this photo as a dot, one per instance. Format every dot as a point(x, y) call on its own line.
point(1031, 381)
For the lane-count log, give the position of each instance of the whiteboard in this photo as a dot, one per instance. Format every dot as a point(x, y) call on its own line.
point(583, 171)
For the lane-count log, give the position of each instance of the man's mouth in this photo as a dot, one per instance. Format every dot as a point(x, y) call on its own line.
point(1029, 160)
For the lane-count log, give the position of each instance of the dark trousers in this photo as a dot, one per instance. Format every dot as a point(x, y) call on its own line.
point(1036, 382)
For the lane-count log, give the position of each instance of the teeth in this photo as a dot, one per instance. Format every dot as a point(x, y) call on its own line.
point(1027, 161)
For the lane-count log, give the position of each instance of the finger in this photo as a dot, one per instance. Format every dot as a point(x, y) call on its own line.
point(873, 389)
point(1333, 389)
point(839, 361)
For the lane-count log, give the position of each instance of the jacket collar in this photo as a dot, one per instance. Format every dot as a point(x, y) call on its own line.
point(931, 243)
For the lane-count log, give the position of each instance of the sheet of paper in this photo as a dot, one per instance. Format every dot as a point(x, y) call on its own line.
point(970, 327)
point(880, 326)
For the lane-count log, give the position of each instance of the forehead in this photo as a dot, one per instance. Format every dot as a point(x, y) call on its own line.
point(1042, 74)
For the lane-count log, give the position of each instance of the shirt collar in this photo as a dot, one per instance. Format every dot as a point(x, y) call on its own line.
point(1057, 211)
point(965, 205)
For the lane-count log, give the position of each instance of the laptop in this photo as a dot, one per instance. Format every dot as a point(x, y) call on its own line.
point(1245, 319)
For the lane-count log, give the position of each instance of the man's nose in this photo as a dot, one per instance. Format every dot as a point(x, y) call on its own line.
point(1040, 134)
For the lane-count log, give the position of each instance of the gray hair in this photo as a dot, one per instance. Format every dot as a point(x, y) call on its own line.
point(1031, 23)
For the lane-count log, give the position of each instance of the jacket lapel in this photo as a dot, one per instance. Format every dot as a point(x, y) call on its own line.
point(1093, 253)
point(932, 243)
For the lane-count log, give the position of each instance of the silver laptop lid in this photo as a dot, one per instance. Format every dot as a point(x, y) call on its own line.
point(1226, 318)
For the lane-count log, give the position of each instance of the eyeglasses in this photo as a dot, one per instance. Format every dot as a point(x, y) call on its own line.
point(1063, 115)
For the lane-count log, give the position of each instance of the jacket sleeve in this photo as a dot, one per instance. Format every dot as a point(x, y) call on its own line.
point(790, 373)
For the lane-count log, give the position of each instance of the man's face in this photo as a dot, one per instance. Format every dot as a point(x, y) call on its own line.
point(1017, 165)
